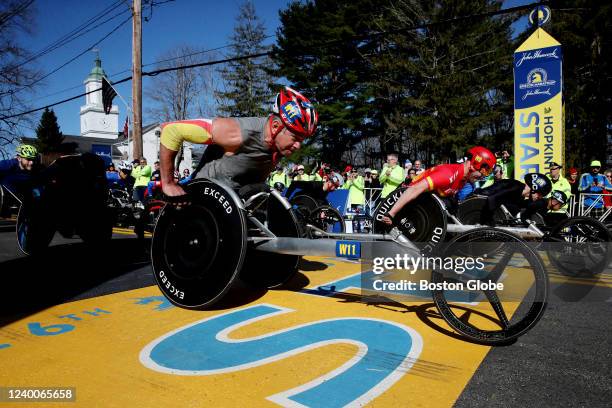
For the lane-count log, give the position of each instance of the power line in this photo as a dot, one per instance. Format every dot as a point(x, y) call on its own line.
point(70, 60)
point(74, 33)
point(156, 63)
point(67, 41)
point(17, 10)
point(315, 46)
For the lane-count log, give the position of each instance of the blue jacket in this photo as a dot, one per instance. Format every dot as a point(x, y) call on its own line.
point(13, 177)
point(586, 181)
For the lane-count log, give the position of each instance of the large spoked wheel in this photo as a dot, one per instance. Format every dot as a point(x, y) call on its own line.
point(302, 206)
point(487, 314)
point(580, 246)
point(326, 218)
point(267, 269)
point(198, 251)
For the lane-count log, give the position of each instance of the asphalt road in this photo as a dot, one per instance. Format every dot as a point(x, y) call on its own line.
point(566, 360)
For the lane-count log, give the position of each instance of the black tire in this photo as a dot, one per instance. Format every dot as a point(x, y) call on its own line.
point(423, 220)
point(98, 231)
point(525, 316)
point(34, 231)
point(327, 218)
point(580, 246)
point(469, 211)
point(197, 251)
point(302, 206)
point(304, 202)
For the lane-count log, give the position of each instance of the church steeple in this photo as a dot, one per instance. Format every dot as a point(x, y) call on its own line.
point(94, 122)
point(96, 72)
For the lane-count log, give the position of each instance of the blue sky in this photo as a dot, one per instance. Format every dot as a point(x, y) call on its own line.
point(201, 24)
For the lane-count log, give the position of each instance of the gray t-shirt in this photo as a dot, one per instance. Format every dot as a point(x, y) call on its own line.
point(251, 163)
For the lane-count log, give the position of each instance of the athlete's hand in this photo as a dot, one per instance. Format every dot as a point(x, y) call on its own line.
point(387, 219)
point(175, 195)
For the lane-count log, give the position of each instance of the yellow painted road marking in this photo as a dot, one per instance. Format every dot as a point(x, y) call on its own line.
point(100, 354)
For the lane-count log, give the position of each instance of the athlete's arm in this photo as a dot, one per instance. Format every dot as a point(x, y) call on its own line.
point(224, 132)
point(407, 196)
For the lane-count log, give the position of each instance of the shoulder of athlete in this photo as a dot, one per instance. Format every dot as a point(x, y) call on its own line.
point(227, 134)
point(9, 164)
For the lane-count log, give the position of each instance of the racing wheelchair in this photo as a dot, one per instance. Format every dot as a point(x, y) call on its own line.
point(200, 251)
point(577, 246)
point(70, 197)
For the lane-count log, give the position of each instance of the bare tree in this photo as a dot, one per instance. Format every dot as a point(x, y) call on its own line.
point(182, 93)
point(16, 18)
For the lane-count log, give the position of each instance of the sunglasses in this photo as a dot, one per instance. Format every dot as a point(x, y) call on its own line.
point(485, 170)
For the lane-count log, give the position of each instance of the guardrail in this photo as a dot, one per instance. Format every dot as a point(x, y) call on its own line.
point(587, 210)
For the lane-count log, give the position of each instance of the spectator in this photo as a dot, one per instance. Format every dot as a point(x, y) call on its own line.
point(355, 185)
point(608, 196)
point(142, 175)
point(127, 179)
point(391, 175)
point(186, 175)
point(593, 183)
point(498, 174)
point(301, 175)
point(410, 175)
point(112, 175)
point(418, 167)
point(279, 176)
point(407, 167)
point(465, 191)
point(573, 181)
point(111, 169)
point(559, 183)
point(505, 160)
point(155, 176)
point(339, 179)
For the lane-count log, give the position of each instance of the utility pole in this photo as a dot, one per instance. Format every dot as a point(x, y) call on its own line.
point(137, 78)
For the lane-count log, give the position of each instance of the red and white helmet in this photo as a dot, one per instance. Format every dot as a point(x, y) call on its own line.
point(482, 158)
point(296, 112)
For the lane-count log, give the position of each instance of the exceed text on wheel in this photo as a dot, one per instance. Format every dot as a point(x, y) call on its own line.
point(198, 251)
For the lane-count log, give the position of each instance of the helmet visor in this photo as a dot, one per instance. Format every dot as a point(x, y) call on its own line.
point(485, 170)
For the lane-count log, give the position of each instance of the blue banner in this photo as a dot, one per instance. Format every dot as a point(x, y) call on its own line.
point(539, 138)
point(103, 151)
point(537, 76)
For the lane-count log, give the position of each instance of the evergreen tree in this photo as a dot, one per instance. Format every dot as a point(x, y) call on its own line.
point(584, 29)
point(49, 137)
point(318, 51)
point(247, 81)
point(447, 86)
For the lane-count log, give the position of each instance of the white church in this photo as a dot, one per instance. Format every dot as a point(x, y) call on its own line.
point(100, 132)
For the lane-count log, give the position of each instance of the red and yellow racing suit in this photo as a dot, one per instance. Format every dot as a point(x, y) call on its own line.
point(446, 179)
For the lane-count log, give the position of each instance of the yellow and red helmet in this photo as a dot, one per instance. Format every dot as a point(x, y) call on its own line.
point(482, 159)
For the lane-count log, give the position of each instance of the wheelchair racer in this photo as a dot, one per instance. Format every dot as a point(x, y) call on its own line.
point(524, 199)
point(446, 179)
point(17, 174)
point(247, 149)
